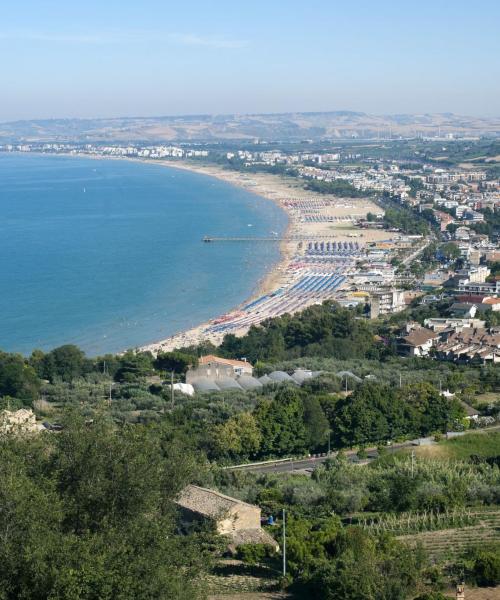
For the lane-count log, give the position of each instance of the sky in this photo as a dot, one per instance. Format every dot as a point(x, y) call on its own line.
point(112, 58)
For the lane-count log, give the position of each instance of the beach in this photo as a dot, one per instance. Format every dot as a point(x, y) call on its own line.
point(300, 278)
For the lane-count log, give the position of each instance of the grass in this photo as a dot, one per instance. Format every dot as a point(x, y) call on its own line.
point(232, 578)
point(482, 444)
point(478, 444)
point(487, 398)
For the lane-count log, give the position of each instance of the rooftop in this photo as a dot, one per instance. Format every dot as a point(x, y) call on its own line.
point(419, 336)
point(210, 358)
point(208, 502)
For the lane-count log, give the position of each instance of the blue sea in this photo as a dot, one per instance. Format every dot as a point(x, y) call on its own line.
point(108, 254)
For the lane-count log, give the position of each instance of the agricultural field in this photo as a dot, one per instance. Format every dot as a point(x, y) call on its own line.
point(448, 544)
point(483, 444)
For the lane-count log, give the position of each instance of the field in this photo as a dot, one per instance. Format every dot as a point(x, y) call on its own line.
point(447, 544)
point(487, 398)
point(482, 444)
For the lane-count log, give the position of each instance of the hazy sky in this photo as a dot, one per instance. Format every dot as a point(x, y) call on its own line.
point(91, 58)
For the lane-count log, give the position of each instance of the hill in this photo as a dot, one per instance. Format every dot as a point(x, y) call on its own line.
point(283, 127)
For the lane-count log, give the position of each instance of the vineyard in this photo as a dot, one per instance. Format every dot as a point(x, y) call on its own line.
point(478, 528)
point(418, 522)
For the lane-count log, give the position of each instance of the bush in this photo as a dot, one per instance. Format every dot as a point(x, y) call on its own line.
point(253, 554)
point(487, 568)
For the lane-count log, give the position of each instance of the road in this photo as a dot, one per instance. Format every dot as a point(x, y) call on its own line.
point(411, 257)
point(308, 464)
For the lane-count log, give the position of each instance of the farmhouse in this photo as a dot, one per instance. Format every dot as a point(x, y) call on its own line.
point(232, 517)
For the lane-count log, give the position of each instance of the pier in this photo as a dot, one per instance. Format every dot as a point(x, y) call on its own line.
point(271, 238)
point(209, 238)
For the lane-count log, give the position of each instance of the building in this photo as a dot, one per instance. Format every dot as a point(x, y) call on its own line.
point(466, 345)
point(418, 342)
point(216, 368)
point(475, 274)
point(240, 521)
point(386, 302)
point(464, 285)
point(443, 323)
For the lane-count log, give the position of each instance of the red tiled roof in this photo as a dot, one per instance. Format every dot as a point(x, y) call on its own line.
point(210, 358)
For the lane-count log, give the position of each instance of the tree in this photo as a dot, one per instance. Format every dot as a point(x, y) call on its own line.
point(429, 411)
point(66, 362)
point(18, 379)
point(361, 418)
point(449, 251)
point(89, 515)
point(487, 568)
point(281, 423)
point(317, 425)
point(239, 436)
point(179, 362)
point(134, 366)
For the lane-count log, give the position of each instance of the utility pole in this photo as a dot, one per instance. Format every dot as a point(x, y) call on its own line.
point(400, 380)
point(109, 400)
point(172, 398)
point(284, 543)
point(412, 463)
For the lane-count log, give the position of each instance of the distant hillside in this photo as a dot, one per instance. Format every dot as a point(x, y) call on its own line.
point(276, 127)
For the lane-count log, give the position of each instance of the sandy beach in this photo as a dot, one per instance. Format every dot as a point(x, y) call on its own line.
point(312, 217)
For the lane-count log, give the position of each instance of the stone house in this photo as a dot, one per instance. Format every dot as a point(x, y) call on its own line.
point(238, 520)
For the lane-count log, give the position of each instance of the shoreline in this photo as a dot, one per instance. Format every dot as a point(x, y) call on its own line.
point(299, 278)
point(272, 280)
point(267, 283)
point(297, 203)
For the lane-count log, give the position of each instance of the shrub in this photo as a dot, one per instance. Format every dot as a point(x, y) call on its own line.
point(253, 554)
point(487, 568)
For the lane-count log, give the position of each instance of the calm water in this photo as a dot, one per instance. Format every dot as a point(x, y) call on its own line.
point(108, 254)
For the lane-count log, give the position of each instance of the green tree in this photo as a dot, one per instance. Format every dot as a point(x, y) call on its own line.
point(18, 379)
point(281, 423)
point(89, 515)
point(179, 362)
point(134, 366)
point(487, 568)
point(65, 362)
point(316, 423)
point(239, 436)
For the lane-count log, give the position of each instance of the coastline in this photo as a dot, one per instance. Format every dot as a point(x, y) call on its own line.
point(283, 191)
point(272, 280)
point(300, 277)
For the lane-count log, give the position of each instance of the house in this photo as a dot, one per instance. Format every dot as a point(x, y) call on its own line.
point(240, 521)
point(470, 345)
point(215, 367)
point(471, 414)
point(463, 310)
point(418, 342)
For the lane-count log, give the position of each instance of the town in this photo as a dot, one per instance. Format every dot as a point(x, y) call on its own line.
point(377, 226)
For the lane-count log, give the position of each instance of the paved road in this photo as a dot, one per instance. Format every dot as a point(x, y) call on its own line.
point(307, 465)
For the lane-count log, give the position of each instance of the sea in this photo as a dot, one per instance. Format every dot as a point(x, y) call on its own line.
point(108, 254)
